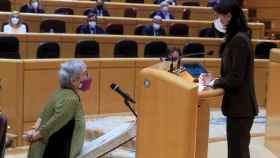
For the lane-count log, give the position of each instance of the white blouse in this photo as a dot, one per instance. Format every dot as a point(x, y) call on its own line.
point(9, 29)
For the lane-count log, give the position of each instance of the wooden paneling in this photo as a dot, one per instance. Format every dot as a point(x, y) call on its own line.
point(267, 11)
point(272, 138)
point(117, 9)
point(73, 21)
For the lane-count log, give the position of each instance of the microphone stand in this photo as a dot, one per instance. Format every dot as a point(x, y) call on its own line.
point(129, 106)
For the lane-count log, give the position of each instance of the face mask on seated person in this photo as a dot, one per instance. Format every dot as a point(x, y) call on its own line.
point(92, 24)
point(35, 5)
point(165, 9)
point(156, 26)
point(15, 20)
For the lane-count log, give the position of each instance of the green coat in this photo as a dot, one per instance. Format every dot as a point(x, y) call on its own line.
point(63, 106)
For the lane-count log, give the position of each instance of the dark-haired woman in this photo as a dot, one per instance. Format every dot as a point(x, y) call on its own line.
point(237, 78)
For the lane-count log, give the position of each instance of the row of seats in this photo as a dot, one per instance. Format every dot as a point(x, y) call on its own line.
point(176, 29)
point(9, 48)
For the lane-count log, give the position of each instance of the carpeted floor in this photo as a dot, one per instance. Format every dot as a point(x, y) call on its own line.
point(217, 133)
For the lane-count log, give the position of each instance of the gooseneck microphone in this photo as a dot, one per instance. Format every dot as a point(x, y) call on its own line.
point(116, 88)
point(125, 96)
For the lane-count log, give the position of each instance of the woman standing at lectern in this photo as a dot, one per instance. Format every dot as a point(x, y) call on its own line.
point(237, 78)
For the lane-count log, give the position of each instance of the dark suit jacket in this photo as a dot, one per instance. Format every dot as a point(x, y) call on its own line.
point(104, 12)
point(159, 1)
point(237, 78)
point(148, 30)
point(161, 14)
point(86, 30)
point(29, 9)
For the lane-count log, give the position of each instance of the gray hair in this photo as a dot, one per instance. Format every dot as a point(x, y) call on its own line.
point(70, 70)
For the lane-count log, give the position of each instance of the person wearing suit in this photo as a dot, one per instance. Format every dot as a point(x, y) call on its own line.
point(170, 2)
point(32, 7)
point(154, 29)
point(59, 132)
point(91, 26)
point(164, 11)
point(99, 10)
point(237, 79)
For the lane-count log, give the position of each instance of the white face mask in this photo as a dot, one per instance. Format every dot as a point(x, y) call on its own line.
point(35, 5)
point(165, 9)
point(156, 26)
point(15, 20)
point(219, 25)
point(92, 24)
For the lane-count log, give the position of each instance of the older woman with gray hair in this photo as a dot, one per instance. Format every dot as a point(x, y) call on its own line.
point(59, 131)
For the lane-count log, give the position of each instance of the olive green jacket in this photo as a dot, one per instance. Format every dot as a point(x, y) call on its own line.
point(62, 107)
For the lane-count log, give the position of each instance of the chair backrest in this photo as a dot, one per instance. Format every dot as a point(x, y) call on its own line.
point(64, 11)
point(155, 49)
point(3, 131)
point(48, 50)
point(192, 48)
point(126, 49)
point(9, 47)
point(130, 12)
point(262, 50)
point(207, 32)
point(87, 49)
point(191, 4)
point(139, 29)
point(5, 5)
point(134, 1)
point(179, 30)
point(114, 29)
point(55, 26)
point(186, 14)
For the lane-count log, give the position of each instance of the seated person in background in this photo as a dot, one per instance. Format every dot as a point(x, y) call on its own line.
point(154, 29)
point(91, 27)
point(32, 7)
point(164, 11)
point(99, 10)
point(170, 2)
point(15, 24)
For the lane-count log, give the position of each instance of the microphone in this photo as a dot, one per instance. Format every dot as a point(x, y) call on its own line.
point(198, 54)
point(116, 88)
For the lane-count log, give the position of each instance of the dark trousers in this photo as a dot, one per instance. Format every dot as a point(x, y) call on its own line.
point(238, 136)
point(59, 144)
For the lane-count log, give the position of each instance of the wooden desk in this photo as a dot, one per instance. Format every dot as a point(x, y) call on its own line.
point(117, 9)
point(30, 41)
point(179, 2)
point(73, 21)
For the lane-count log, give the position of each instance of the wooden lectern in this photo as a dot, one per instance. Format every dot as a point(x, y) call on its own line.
point(272, 134)
point(173, 117)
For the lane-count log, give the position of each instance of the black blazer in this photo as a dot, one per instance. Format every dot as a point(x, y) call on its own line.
point(29, 9)
point(237, 78)
point(98, 12)
point(148, 30)
point(86, 30)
